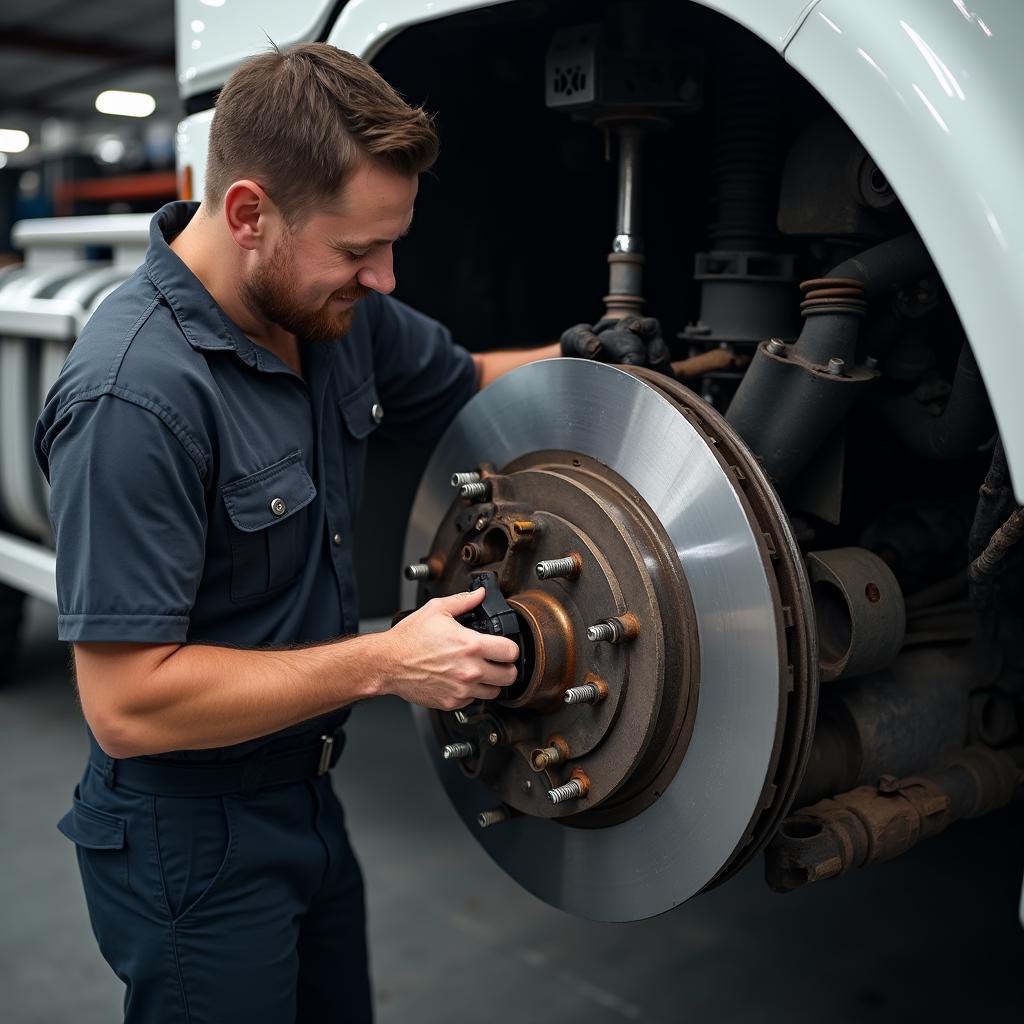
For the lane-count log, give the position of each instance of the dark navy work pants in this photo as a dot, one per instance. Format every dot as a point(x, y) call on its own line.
point(217, 910)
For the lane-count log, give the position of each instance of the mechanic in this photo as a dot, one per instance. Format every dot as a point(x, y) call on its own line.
point(204, 444)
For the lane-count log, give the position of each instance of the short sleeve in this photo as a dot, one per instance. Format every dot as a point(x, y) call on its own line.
point(423, 378)
point(128, 509)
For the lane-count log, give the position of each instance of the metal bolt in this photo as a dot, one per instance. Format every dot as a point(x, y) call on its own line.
point(457, 751)
point(420, 571)
point(481, 524)
point(474, 490)
point(458, 479)
point(570, 791)
point(461, 717)
point(568, 567)
point(588, 693)
point(493, 738)
point(526, 785)
point(545, 757)
point(615, 629)
point(471, 553)
point(776, 346)
point(836, 367)
point(493, 817)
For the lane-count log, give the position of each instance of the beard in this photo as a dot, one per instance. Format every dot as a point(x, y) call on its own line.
point(269, 291)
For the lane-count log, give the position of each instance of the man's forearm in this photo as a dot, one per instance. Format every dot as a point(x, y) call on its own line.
point(198, 696)
point(491, 365)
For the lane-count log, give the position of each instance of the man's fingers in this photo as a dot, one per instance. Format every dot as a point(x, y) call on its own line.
point(458, 604)
point(498, 648)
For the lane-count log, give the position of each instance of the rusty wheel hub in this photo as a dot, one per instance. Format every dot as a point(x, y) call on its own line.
point(552, 505)
point(663, 716)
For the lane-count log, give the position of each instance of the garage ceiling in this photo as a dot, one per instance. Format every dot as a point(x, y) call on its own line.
point(57, 55)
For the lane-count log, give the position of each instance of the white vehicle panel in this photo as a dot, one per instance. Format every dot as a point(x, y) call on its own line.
point(364, 26)
point(212, 36)
point(774, 22)
point(932, 90)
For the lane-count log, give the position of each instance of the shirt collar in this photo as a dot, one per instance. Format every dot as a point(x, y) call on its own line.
point(202, 321)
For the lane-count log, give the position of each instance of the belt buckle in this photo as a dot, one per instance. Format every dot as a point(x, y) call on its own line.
point(325, 754)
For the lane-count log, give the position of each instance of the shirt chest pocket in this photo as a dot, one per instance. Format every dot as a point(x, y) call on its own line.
point(269, 529)
point(361, 415)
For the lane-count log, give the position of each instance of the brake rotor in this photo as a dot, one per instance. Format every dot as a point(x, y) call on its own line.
point(686, 755)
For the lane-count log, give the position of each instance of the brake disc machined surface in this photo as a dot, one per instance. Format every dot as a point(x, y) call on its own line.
point(663, 714)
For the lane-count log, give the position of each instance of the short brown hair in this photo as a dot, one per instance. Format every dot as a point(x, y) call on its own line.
point(298, 121)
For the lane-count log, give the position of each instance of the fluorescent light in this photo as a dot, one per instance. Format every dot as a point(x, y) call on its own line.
point(127, 104)
point(13, 140)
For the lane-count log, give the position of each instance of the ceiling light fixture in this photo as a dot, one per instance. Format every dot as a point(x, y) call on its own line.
point(13, 140)
point(126, 104)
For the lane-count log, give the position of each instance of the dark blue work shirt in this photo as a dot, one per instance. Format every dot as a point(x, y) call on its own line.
point(201, 490)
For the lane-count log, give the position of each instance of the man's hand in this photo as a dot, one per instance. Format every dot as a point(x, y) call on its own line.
point(437, 663)
point(631, 341)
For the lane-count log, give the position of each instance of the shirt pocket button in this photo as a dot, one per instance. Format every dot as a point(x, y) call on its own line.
point(278, 506)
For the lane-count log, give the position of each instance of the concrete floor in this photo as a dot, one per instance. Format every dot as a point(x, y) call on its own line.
point(933, 936)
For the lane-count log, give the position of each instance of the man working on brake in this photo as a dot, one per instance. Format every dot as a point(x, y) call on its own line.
point(204, 444)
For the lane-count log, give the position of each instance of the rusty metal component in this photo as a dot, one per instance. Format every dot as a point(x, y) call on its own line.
point(593, 690)
point(495, 816)
point(897, 721)
point(523, 531)
point(567, 568)
point(554, 753)
point(859, 609)
point(616, 629)
point(552, 649)
point(576, 788)
point(871, 824)
point(458, 479)
point(1006, 537)
point(458, 751)
point(706, 362)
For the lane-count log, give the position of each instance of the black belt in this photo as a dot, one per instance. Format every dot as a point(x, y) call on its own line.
point(223, 778)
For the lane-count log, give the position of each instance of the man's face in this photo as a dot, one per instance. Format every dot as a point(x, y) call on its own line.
point(312, 274)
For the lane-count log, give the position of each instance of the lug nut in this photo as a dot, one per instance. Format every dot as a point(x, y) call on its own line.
point(485, 819)
point(421, 571)
point(458, 479)
point(615, 629)
point(475, 490)
point(458, 751)
point(592, 691)
point(575, 789)
point(560, 568)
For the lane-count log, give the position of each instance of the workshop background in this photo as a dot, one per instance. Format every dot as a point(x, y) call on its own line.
point(934, 936)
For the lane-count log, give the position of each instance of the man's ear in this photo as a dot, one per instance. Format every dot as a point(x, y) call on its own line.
point(246, 211)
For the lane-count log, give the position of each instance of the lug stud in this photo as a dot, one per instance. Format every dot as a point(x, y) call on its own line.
point(461, 717)
point(560, 568)
point(614, 630)
point(475, 491)
point(458, 751)
point(592, 691)
point(575, 789)
point(458, 479)
point(485, 819)
point(420, 571)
